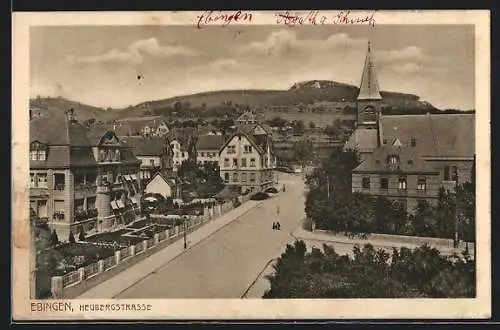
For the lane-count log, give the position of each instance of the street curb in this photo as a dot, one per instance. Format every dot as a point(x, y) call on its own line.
point(258, 277)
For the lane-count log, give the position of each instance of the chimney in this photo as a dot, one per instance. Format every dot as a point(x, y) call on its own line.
point(70, 114)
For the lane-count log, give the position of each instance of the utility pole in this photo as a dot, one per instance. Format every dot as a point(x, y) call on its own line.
point(328, 186)
point(456, 238)
point(185, 229)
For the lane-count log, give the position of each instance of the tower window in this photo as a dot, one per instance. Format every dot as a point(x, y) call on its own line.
point(366, 182)
point(369, 114)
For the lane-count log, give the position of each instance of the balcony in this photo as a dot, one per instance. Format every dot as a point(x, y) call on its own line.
point(83, 190)
point(81, 215)
point(39, 192)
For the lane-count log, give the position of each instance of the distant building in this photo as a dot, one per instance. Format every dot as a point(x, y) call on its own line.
point(80, 178)
point(183, 144)
point(161, 184)
point(408, 157)
point(154, 152)
point(208, 147)
point(247, 158)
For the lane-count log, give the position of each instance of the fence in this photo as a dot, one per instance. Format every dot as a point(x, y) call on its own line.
point(125, 252)
point(71, 278)
point(139, 248)
point(151, 242)
point(109, 262)
point(91, 270)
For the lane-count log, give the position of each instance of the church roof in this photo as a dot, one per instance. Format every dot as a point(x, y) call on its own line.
point(362, 140)
point(409, 161)
point(433, 135)
point(369, 88)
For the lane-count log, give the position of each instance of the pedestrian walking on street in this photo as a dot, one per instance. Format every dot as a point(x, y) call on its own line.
point(274, 225)
point(278, 226)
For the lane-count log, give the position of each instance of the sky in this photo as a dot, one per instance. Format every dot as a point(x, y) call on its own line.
point(119, 66)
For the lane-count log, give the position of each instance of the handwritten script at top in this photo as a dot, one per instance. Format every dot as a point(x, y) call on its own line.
point(315, 18)
point(287, 18)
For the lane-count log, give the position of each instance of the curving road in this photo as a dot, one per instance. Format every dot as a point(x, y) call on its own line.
point(226, 264)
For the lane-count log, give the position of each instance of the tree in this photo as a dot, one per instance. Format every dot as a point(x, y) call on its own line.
point(81, 235)
point(302, 151)
point(277, 122)
point(177, 106)
point(71, 238)
point(298, 127)
point(312, 125)
point(54, 240)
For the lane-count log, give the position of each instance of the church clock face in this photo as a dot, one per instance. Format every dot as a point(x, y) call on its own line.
point(369, 114)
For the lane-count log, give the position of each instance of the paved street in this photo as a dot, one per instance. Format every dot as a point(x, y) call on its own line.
point(229, 261)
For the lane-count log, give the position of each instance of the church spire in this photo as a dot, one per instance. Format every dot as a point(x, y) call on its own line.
point(369, 89)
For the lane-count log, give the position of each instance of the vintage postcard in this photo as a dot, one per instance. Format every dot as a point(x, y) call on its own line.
point(251, 165)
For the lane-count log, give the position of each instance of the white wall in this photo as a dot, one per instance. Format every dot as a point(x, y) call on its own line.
point(159, 186)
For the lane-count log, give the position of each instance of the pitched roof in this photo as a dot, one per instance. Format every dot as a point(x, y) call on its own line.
point(58, 130)
point(229, 191)
point(210, 142)
point(434, 135)
point(409, 161)
point(369, 88)
point(362, 140)
point(146, 146)
point(169, 180)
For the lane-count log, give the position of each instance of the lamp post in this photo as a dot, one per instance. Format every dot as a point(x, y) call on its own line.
point(456, 238)
point(185, 229)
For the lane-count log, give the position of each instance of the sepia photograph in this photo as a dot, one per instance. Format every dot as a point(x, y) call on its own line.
point(269, 159)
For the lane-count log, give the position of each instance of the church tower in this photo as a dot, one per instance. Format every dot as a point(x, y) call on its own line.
point(369, 100)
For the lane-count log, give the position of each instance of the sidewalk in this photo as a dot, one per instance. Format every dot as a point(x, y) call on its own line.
point(378, 242)
point(125, 279)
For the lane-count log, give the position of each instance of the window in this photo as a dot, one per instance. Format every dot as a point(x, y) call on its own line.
point(450, 173)
point(248, 149)
point(182, 155)
point(421, 184)
point(41, 155)
point(235, 177)
point(152, 162)
point(252, 162)
point(369, 114)
point(402, 183)
point(252, 177)
point(243, 177)
point(243, 162)
point(413, 142)
point(32, 180)
point(366, 183)
point(176, 155)
point(231, 149)
point(235, 162)
point(226, 162)
point(384, 183)
point(41, 180)
point(59, 181)
point(392, 159)
point(202, 154)
point(226, 177)
point(33, 155)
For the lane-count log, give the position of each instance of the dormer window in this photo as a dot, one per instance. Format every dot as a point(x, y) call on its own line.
point(392, 160)
point(38, 151)
point(413, 142)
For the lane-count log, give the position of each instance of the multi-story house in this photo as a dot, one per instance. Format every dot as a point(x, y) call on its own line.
point(247, 158)
point(154, 152)
point(408, 157)
point(208, 147)
point(80, 179)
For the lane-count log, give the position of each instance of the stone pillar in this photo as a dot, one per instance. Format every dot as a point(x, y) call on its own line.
point(145, 244)
point(81, 274)
point(100, 263)
point(176, 230)
point(132, 250)
point(211, 212)
point(118, 256)
point(56, 287)
point(167, 233)
point(156, 238)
